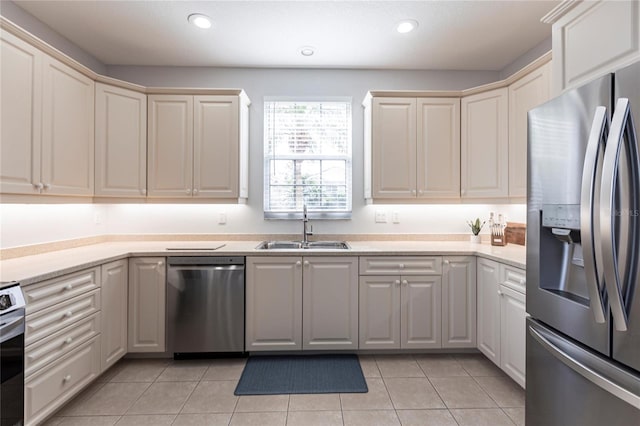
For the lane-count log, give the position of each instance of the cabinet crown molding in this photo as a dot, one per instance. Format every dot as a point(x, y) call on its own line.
point(559, 11)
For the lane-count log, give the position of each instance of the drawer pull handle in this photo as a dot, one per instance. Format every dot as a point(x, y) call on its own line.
point(68, 287)
point(68, 314)
point(66, 378)
point(68, 340)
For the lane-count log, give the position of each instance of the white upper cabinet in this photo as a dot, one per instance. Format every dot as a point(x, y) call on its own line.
point(198, 146)
point(67, 130)
point(525, 94)
point(121, 142)
point(592, 39)
point(393, 148)
point(170, 145)
point(485, 145)
point(20, 115)
point(47, 123)
point(414, 148)
point(216, 146)
point(438, 148)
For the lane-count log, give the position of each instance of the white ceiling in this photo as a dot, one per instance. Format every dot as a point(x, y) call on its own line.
point(460, 35)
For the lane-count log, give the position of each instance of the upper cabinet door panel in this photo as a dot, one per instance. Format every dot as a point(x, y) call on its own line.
point(121, 142)
point(67, 131)
point(20, 115)
point(485, 155)
point(170, 145)
point(216, 148)
point(438, 148)
point(524, 95)
point(394, 148)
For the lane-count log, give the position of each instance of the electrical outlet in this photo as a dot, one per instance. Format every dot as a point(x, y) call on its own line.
point(97, 219)
point(222, 219)
point(381, 216)
point(395, 217)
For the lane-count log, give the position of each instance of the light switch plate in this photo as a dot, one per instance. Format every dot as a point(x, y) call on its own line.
point(222, 219)
point(395, 217)
point(381, 216)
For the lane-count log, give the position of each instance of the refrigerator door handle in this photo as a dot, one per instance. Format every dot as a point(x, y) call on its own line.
point(591, 247)
point(620, 123)
point(570, 356)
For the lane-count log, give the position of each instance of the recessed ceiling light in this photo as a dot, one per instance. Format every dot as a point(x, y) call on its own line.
point(406, 26)
point(200, 20)
point(307, 51)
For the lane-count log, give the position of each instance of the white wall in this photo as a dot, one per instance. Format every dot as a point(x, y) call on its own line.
point(25, 224)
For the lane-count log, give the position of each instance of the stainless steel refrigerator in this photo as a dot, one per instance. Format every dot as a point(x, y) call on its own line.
point(583, 256)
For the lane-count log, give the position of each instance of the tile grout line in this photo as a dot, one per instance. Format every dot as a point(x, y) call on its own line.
point(438, 393)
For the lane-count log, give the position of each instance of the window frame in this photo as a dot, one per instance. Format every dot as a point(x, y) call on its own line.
point(267, 157)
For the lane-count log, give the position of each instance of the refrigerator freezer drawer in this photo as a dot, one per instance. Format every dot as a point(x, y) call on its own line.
point(568, 384)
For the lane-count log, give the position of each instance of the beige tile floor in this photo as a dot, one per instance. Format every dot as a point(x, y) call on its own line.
point(424, 390)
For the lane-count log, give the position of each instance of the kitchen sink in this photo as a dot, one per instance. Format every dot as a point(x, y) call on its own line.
point(311, 245)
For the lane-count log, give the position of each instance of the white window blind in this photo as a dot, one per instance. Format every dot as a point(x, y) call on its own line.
point(307, 158)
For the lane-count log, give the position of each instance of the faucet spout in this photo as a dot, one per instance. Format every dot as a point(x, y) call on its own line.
point(305, 220)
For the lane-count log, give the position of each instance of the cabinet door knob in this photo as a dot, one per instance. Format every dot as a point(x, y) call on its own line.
point(405, 282)
point(68, 340)
point(522, 281)
point(66, 378)
point(195, 191)
point(446, 262)
point(298, 263)
point(68, 314)
point(499, 293)
point(306, 263)
point(420, 192)
point(68, 287)
point(397, 282)
point(38, 186)
point(188, 190)
point(46, 186)
point(160, 263)
point(413, 192)
point(464, 191)
point(143, 191)
point(401, 266)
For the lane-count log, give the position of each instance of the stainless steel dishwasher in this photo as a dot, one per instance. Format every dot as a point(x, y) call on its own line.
point(205, 304)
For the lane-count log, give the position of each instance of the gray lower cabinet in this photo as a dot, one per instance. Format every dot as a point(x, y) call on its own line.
point(459, 302)
point(147, 299)
point(115, 295)
point(295, 303)
point(398, 311)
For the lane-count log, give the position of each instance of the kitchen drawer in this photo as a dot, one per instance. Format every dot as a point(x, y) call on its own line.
point(55, 318)
point(51, 387)
point(395, 265)
point(514, 278)
point(51, 348)
point(51, 292)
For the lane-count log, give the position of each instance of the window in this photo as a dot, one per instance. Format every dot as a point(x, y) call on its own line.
point(307, 158)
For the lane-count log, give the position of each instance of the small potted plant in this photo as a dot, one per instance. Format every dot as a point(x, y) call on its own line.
point(476, 227)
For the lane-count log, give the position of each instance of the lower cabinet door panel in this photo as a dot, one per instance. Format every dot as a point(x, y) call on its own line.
point(421, 312)
point(49, 389)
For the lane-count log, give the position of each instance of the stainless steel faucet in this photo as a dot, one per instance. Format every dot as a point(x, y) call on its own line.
point(305, 220)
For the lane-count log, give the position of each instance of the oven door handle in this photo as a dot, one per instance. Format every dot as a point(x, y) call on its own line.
point(12, 328)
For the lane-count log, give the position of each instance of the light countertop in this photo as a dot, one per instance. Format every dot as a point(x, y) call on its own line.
point(35, 268)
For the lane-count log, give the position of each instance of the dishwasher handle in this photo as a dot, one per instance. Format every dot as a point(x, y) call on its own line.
point(205, 261)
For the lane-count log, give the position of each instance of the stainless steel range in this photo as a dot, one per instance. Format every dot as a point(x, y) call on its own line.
point(12, 306)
